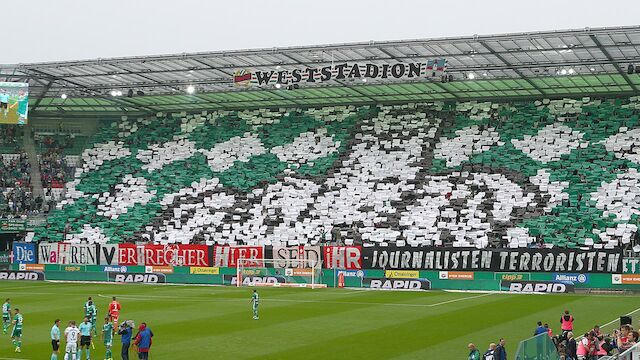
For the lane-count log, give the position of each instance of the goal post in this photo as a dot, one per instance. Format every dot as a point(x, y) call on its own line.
point(303, 273)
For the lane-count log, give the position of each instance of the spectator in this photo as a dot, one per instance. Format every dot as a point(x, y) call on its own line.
point(489, 354)
point(125, 332)
point(500, 352)
point(143, 341)
point(622, 335)
point(474, 353)
point(607, 346)
point(548, 330)
point(588, 347)
point(566, 322)
point(540, 329)
point(596, 330)
point(631, 340)
point(572, 347)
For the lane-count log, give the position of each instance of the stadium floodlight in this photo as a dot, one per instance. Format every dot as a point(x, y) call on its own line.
point(191, 89)
point(592, 69)
point(119, 93)
point(471, 76)
point(63, 96)
point(485, 74)
point(571, 71)
point(114, 93)
point(563, 72)
point(364, 79)
point(278, 86)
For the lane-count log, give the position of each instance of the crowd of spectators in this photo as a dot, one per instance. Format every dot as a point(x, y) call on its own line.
point(18, 201)
point(16, 197)
point(594, 344)
point(53, 166)
point(9, 137)
point(15, 171)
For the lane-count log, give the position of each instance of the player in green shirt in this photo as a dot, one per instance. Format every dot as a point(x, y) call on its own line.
point(107, 337)
point(255, 301)
point(6, 315)
point(22, 103)
point(16, 334)
point(91, 312)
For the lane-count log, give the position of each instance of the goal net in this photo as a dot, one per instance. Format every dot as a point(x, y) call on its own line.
point(279, 273)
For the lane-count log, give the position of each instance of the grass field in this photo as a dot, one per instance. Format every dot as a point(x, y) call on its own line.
point(191, 322)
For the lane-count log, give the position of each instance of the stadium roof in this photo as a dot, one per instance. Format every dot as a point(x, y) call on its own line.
point(538, 64)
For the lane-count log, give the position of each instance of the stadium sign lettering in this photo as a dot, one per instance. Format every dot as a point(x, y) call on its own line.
point(283, 256)
point(253, 280)
point(108, 255)
point(342, 257)
point(163, 255)
point(68, 254)
point(397, 284)
point(536, 287)
point(526, 260)
point(120, 269)
point(631, 266)
point(137, 278)
point(227, 256)
point(571, 278)
point(340, 71)
point(24, 253)
point(21, 275)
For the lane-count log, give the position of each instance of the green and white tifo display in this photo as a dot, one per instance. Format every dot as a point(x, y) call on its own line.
point(14, 103)
point(560, 173)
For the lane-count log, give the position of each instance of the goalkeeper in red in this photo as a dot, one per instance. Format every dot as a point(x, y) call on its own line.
point(114, 311)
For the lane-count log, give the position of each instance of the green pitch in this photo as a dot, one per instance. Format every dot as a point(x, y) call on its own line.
point(190, 322)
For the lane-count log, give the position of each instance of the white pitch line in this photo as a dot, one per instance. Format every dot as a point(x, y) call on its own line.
point(2, 358)
point(172, 298)
point(611, 322)
point(614, 320)
point(461, 299)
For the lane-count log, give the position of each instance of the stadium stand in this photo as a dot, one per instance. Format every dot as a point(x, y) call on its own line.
point(539, 173)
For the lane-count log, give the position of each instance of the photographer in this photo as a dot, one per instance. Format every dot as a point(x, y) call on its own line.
point(125, 331)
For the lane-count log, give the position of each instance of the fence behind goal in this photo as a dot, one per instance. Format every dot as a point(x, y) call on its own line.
point(281, 273)
point(538, 347)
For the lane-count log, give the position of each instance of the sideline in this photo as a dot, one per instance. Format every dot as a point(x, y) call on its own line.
point(172, 298)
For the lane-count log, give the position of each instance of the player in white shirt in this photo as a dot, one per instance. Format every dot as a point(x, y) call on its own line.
point(72, 334)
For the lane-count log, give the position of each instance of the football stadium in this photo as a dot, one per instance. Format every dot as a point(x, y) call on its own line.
point(440, 197)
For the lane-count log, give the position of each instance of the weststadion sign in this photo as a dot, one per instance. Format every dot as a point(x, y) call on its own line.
point(342, 71)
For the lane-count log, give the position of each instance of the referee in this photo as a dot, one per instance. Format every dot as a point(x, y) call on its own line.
point(55, 339)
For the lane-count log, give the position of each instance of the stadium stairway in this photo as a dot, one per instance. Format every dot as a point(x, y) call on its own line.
point(29, 147)
point(472, 174)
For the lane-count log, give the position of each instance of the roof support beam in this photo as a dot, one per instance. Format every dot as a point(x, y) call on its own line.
point(124, 104)
point(613, 62)
point(511, 67)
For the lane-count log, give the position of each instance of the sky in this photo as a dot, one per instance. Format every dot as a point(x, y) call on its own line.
point(54, 30)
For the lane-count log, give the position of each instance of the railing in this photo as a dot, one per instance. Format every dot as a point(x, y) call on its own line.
point(537, 347)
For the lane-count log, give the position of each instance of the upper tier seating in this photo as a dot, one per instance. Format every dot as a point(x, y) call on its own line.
point(10, 139)
point(544, 173)
point(16, 198)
